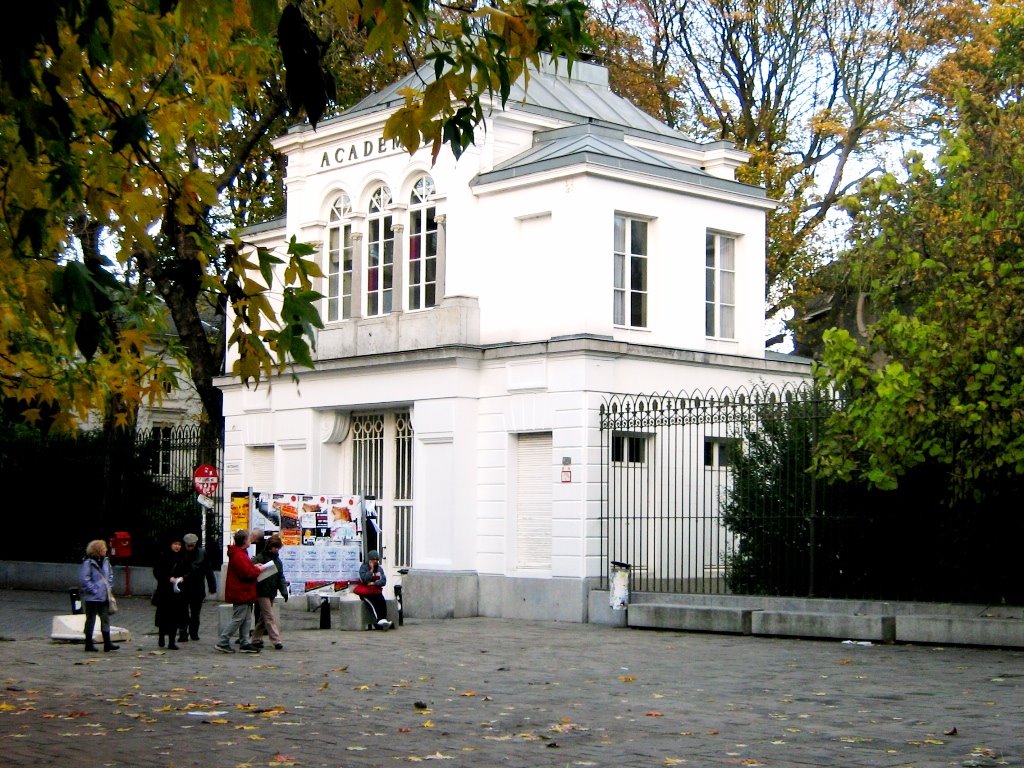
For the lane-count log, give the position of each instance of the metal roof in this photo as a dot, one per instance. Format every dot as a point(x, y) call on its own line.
point(551, 145)
point(581, 96)
point(605, 147)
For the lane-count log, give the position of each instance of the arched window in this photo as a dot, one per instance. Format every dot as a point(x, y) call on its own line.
point(339, 260)
point(380, 254)
point(422, 245)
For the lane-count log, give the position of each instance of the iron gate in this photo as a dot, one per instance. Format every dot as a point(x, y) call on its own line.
point(672, 507)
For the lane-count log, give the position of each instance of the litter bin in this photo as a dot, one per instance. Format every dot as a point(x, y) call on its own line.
point(76, 600)
point(619, 595)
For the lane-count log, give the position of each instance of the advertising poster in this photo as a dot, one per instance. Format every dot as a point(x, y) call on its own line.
point(253, 511)
point(285, 507)
point(343, 517)
point(322, 534)
point(239, 510)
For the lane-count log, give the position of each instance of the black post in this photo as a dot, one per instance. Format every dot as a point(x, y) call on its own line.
point(398, 598)
point(325, 612)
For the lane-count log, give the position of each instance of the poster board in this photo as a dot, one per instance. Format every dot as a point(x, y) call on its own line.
point(322, 534)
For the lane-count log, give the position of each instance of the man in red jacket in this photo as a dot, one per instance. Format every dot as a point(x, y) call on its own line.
point(240, 591)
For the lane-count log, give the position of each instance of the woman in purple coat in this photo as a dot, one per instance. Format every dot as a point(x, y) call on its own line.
point(97, 580)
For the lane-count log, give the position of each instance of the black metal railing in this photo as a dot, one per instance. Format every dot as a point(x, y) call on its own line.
point(72, 489)
point(712, 493)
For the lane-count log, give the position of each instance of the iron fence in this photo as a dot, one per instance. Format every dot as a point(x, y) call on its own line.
point(712, 493)
point(68, 490)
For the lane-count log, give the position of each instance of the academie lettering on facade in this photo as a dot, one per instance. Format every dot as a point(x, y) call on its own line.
point(359, 150)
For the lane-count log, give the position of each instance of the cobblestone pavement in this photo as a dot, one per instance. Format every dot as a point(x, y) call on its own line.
point(490, 692)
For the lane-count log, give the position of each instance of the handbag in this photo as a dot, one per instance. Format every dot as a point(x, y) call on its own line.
point(367, 589)
point(112, 601)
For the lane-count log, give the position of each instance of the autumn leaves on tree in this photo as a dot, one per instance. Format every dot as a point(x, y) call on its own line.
point(135, 138)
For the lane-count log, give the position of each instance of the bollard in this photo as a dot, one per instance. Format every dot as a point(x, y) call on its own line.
point(325, 612)
point(76, 600)
point(620, 585)
point(398, 598)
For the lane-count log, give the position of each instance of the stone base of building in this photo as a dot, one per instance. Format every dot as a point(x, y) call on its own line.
point(463, 594)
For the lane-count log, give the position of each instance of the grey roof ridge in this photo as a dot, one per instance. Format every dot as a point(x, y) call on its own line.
point(590, 157)
point(575, 141)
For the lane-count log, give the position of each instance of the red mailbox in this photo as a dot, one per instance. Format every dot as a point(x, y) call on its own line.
point(121, 545)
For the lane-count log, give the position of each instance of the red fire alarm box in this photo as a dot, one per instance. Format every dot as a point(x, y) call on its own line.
point(121, 544)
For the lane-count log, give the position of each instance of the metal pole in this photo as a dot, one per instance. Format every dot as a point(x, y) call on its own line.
point(814, 496)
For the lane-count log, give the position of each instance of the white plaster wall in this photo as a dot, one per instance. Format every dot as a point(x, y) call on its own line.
point(539, 257)
point(464, 416)
point(544, 262)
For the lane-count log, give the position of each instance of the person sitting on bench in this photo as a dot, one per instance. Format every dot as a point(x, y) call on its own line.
point(371, 589)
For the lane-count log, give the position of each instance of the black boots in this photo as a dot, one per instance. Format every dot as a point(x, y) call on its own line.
point(107, 645)
point(89, 646)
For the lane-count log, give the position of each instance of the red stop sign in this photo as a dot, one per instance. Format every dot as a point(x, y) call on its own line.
point(206, 480)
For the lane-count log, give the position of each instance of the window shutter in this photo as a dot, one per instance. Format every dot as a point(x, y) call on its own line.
point(259, 468)
point(533, 501)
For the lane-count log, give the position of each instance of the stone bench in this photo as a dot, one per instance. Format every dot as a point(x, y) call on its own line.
point(693, 618)
point(878, 628)
point(960, 630)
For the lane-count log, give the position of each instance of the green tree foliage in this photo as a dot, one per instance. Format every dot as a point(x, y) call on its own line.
point(774, 500)
point(939, 377)
point(134, 140)
point(803, 535)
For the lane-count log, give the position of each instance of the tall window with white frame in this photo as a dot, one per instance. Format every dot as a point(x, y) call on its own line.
point(720, 286)
point(630, 278)
point(380, 254)
point(339, 260)
point(422, 246)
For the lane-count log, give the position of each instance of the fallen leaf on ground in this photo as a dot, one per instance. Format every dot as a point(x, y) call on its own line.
point(652, 713)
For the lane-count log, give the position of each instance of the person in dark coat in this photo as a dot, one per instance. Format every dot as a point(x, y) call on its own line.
point(371, 588)
point(199, 579)
point(266, 590)
point(169, 572)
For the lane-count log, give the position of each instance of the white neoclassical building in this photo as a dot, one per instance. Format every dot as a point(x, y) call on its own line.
point(477, 314)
